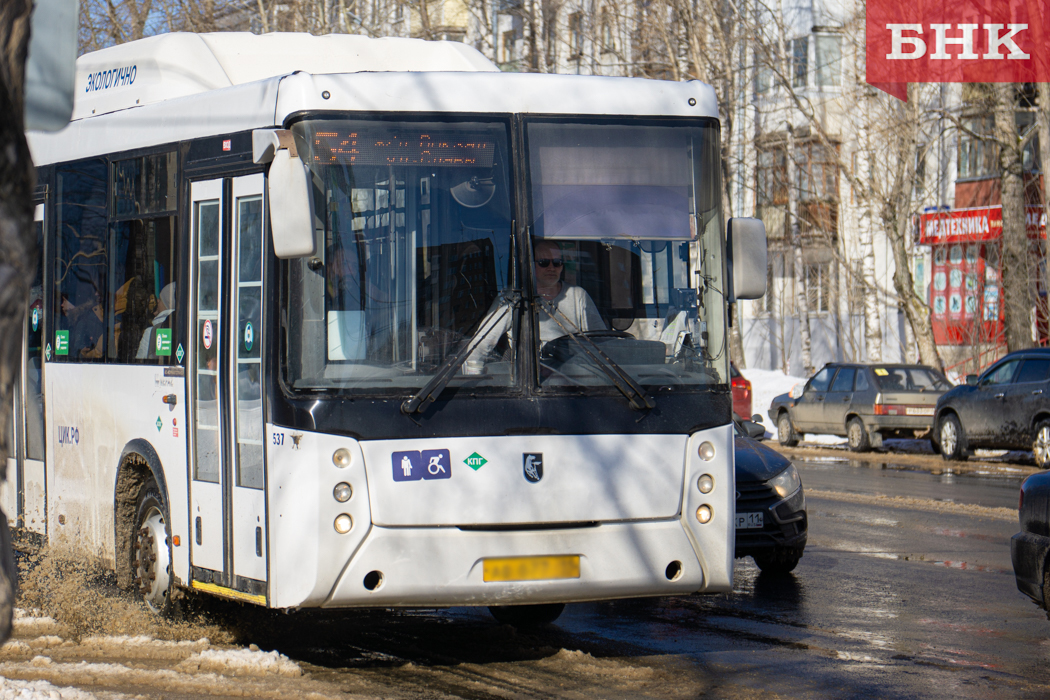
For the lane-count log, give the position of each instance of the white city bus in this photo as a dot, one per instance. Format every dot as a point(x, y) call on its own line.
point(337, 321)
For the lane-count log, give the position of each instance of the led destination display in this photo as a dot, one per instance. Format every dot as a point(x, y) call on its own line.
point(380, 147)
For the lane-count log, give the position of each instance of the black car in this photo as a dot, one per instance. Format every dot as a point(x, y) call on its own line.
point(771, 522)
point(1006, 407)
point(1029, 547)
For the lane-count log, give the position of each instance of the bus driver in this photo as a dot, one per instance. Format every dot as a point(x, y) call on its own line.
point(573, 305)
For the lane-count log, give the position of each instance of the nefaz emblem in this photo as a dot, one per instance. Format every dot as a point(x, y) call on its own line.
point(428, 464)
point(533, 466)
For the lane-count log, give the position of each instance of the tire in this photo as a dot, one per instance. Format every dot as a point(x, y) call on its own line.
point(151, 550)
point(951, 438)
point(857, 436)
point(1041, 445)
point(786, 434)
point(779, 562)
point(527, 615)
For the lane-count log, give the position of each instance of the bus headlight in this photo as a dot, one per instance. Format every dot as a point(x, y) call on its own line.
point(342, 492)
point(707, 451)
point(343, 523)
point(341, 458)
point(703, 514)
point(706, 483)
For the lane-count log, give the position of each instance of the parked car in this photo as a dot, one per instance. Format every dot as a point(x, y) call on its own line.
point(863, 403)
point(1006, 407)
point(771, 521)
point(1030, 546)
point(741, 392)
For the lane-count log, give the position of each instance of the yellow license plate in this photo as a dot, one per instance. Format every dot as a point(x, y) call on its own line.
point(531, 568)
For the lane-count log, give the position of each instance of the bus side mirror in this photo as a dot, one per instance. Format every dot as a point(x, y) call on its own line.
point(746, 250)
point(290, 193)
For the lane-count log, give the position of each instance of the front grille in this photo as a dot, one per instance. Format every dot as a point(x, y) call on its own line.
point(753, 494)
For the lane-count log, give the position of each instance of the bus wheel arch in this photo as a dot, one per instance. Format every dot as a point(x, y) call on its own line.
point(139, 465)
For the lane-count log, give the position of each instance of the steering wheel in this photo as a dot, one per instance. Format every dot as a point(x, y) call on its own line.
point(549, 348)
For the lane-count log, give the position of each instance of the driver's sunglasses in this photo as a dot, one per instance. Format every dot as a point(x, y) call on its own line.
point(547, 262)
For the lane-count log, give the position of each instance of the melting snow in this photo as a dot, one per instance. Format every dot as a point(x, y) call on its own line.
point(39, 690)
point(241, 662)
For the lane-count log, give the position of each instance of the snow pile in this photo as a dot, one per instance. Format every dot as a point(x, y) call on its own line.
point(241, 662)
point(766, 385)
point(39, 690)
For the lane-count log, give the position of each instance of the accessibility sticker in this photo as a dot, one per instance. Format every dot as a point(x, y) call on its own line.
point(428, 464)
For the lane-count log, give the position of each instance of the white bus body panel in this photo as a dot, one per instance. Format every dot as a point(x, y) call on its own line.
point(93, 412)
point(624, 555)
point(586, 478)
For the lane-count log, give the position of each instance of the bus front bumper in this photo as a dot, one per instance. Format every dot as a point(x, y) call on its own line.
point(424, 567)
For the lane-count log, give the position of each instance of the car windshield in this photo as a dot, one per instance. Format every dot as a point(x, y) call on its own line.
point(416, 250)
point(626, 247)
point(910, 379)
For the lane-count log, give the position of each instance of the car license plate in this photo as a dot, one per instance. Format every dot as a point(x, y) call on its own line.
point(911, 411)
point(749, 521)
point(531, 568)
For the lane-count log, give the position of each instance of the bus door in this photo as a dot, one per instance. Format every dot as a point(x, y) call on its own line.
point(227, 500)
point(25, 494)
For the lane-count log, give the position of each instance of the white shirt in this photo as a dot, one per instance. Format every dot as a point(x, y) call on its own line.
point(573, 306)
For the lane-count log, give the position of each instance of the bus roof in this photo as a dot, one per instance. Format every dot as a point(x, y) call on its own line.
point(181, 86)
point(167, 66)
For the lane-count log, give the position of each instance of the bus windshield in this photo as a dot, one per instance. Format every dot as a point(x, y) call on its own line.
point(416, 220)
point(624, 268)
point(627, 251)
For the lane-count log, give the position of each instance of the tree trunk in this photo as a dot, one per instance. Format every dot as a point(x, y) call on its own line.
point(872, 324)
point(802, 296)
point(1042, 120)
point(17, 249)
point(897, 224)
point(1017, 300)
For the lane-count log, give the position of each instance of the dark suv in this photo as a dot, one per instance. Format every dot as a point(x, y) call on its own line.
point(1006, 407)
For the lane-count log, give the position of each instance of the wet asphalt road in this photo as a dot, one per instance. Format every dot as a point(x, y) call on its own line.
point(888, 601)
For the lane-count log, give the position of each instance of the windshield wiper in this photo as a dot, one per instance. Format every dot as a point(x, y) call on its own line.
point(623, 381)
point(437, 383)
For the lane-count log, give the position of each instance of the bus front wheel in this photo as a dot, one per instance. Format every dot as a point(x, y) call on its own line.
point(527, 615)
point(151, 550)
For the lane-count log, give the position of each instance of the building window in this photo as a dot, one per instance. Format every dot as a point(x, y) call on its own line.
point(920, 171)
point(829, 61)
point(508, 47)
point(763, 77)
point(608, 32)
point(978, 157)
point(818, 287)
point(799, 61)
point(772, 176)
point(575, 35)
point(816, 172)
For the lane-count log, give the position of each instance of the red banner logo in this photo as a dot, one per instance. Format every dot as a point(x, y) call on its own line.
point(973, 41)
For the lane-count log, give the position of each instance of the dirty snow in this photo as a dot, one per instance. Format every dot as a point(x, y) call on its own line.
point(41, 690)
point(241, 662)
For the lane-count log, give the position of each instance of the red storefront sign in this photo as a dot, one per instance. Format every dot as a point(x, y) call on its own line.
point(973, 225)
point(965, 289)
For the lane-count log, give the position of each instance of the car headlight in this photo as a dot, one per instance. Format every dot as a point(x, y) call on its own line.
point(786, 482)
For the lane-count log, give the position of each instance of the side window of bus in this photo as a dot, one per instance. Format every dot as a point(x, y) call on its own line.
point(115, 260)
point(141, 323)
point(81, 262)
